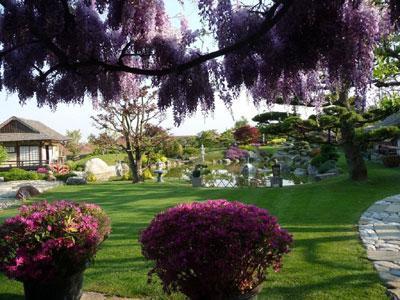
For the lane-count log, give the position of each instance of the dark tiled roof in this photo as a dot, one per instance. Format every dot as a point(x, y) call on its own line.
point(41, 132)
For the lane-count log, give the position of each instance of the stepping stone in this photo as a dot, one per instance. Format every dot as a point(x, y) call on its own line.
point(393, 284)
point(377, 208)
point(383, 255)
point(393, 208)
point(394, 294)
point(388, 232)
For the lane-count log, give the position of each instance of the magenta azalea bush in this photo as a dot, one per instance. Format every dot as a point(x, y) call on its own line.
point(47, 242)
point(42, 170)
point(214, 249)
point(236, 153)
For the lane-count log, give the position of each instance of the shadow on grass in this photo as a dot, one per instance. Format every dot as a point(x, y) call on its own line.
point(11, 297)
point(303, 291)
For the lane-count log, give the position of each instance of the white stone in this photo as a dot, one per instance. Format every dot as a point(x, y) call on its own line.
point(100, 169)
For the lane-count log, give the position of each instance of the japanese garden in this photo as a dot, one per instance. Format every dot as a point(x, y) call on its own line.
point(202, 149)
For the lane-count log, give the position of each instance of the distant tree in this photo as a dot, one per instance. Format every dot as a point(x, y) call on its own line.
point(74, 142)
point(173, 148)
point(3, 154)
point(269, 123)
point(247, 135)
point(208, 138)
point(226, 138)
point(241, 122)
point(132, 117)
point(187, 141)
point(104, 142)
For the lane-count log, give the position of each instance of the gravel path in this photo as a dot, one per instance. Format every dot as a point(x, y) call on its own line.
point(379, 229)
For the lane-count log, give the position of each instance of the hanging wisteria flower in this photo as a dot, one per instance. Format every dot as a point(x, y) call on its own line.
point(214, 249)
point(46, 242)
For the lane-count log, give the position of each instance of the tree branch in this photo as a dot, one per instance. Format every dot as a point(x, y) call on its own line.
point(272, 17)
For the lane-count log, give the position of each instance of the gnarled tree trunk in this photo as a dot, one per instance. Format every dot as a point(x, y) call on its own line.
point(355, 160)
point(352, 148)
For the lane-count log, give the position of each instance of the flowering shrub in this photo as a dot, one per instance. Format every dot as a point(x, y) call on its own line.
point(236, 153)
point(46, 241)
point(215, 249)
point(42, 170)
point(59, 169)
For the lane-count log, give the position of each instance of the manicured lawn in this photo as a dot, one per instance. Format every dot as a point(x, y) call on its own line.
point(328, 260)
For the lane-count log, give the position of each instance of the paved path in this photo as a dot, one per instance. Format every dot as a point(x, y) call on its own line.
point(379, 230)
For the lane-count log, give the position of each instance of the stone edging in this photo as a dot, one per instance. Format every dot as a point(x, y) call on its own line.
point(379, 229)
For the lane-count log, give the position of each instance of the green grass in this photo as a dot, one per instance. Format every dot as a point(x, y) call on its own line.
point(215, 154)
point(327, 262)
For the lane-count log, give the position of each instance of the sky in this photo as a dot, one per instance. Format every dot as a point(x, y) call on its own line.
point(71, 117)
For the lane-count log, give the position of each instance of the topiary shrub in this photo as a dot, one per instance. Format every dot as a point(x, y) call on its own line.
point(214, 249)
point(327, 153)
point(20, 174)
point(391, 161)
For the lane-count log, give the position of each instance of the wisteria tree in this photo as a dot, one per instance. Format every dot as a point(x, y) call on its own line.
point(63, 50)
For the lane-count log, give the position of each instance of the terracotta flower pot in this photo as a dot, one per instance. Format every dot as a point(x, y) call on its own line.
point(66, 289)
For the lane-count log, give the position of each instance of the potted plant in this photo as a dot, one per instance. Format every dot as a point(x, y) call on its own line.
point(215, 250)
point(48, 247)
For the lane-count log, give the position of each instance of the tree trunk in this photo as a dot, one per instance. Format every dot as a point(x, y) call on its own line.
point(137, 175)
point(135, 161)
point(352, 150)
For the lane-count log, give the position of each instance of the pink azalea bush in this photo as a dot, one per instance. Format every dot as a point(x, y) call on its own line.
point(214, 249)
point(42, 170)
point(49, 241)
point(236, 153)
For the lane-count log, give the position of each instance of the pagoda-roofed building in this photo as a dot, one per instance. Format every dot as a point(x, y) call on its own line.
point(30, 144)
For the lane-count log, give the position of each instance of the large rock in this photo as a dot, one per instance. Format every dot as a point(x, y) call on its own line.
point(300, 172)
point(26, 192)
point(100, 169)
point(76, 181)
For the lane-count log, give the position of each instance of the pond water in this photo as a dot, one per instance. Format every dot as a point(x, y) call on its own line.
point(229, 176)
point(231, 183)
